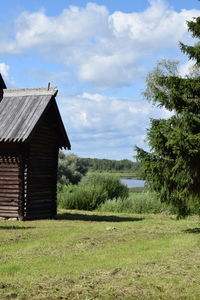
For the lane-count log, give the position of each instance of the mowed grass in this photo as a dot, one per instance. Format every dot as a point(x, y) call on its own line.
point(91, 255)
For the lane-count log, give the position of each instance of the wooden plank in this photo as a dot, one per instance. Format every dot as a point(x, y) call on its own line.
point(10, 176)
point(9, 199)
point(40, 181)
point(14, 175)
point(9, 191)
point(4, 185)
point(45, 171)
point(39, 210)
point(9, 195)
point(38, 176)
point(9, 182)
point(38, 162)
point(41, 199)
point(40, 103)
point(45, 138)
point(4, 203)
point(39, 206)
point(8, 214)
point(9, 208)
point(9, 169)
point(41, 148)
point(42, 168)
point(34, 195)
point(40, 203)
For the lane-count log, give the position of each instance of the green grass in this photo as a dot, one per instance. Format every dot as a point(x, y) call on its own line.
point(92, 255)
point(139, 202)
point(126, 174)
point(136, 190)
point(91, 192)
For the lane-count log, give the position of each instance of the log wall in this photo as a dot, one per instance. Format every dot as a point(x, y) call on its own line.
point(41, 189)
point(11, 189)
point(28, 174)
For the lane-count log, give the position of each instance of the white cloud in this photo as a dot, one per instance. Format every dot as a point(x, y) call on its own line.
point(186, 68)
point(95, 122)
point(106, 50)
point(107, 71)
point(72, 28)
point(4, 69)
point(157, 27)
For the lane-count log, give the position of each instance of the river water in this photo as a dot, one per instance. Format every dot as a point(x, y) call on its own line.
point(132, 183)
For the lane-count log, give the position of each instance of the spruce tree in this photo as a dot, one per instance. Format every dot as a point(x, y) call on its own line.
point(172, 167)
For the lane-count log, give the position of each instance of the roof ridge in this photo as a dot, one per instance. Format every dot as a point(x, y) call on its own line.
point(30, 91)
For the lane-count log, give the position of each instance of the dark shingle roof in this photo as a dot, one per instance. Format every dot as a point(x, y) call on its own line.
point(2, 83)
point(21, 110)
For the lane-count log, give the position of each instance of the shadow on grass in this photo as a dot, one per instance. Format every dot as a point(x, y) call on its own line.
point(96, 218)
point(10, 227)
point(193, 230)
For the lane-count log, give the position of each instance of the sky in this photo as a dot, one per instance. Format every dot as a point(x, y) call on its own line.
point(98, 54)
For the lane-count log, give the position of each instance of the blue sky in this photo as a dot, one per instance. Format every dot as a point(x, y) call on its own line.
point(97, 53)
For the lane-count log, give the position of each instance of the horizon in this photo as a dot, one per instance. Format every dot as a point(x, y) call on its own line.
point(97, 53)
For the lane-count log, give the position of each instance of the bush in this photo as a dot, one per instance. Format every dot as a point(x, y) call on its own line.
point(70, 168)
point(83, 197)
point(91, 192)
point(111, 184)
point(194, 206)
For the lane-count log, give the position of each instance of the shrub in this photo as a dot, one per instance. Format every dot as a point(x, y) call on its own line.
point(83, 197)
point(70, 168)
point(194, 206)
point(91, 192)
point(111, 184)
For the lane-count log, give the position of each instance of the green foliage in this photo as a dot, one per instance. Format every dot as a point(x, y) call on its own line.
point(193, 51)
point(101, 165)
point(83, 197)
point(172, 168)
point(70, 168)
point(91, 192)
point(139, 203)
point(111, 184)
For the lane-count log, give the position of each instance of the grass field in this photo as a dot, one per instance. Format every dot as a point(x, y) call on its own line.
point(90, 255)
point(126, 174)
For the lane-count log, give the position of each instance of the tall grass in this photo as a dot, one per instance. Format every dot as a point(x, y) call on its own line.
point(91, 192)
point(107, 194)
point(140, 203)
point(83, 197)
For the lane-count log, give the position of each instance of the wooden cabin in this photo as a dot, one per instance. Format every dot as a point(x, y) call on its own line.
point(31, 133)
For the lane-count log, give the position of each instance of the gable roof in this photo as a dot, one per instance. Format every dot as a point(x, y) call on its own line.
point(21, 111)
point(2, 83)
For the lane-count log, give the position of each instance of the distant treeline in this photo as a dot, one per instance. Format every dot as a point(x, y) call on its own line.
point(72, 168)
point(124, 165)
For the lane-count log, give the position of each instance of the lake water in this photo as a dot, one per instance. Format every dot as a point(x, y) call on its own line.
point(132, 183)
